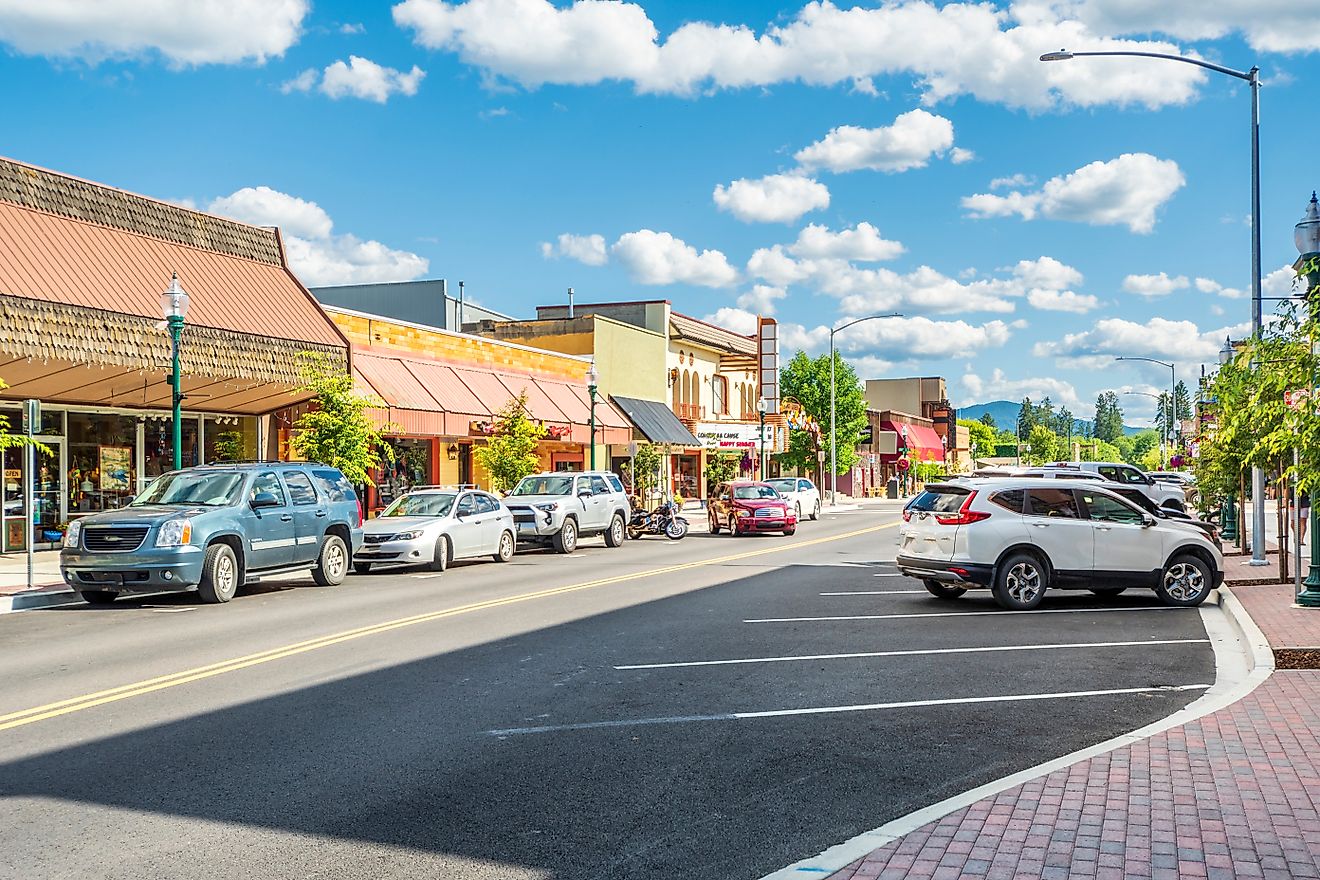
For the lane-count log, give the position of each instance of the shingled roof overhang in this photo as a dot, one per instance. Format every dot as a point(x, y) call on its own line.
point(81, 270)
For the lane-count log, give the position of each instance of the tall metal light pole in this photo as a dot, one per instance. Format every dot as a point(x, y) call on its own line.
point(1157, 397)
point(761, 406)
point(592, 378)
point(1252, 78)
point(1173, 393)
point(834, 460)
point(174, 308)
point(1306, 235)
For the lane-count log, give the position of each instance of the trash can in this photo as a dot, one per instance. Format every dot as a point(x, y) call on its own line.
point(891, 489)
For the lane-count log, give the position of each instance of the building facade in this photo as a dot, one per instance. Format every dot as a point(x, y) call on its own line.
point(428, 303)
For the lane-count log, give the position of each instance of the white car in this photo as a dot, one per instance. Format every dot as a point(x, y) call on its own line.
point(435, 526)
point(1162, 494)
point(801, 493)
point(1021, 536)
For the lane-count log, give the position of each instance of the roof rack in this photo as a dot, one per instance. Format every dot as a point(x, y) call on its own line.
point(268, 461)
point(459, 486)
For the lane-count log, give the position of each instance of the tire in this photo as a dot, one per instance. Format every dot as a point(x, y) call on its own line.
point(98, 597)
point(797, 510)
point(615, 533)
point(443, 555)
point(815, 513)
point(1107, 592)
point(506, 548)
point(1185, 581)
point(332, 564)
point(219, 575)
point(714, 526)
point(676, 530)
point(790, 532)
point(566, 538)
point(634, 533)
point(943, 591)
point(361, 568)
point(1020, 582)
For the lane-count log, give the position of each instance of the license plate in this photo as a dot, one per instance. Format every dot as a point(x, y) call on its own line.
point(526, 527)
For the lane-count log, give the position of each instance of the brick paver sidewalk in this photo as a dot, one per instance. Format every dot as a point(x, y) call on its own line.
point(1235, 793)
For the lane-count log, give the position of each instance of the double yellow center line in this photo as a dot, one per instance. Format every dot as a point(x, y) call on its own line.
point(198, 673)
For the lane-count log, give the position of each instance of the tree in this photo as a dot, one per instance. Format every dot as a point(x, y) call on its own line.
point(1026, 419)
point(720, 468)
point(1108, 417)
point(807, 380)
point(1045, 446)
point(13, 441)
point(988, 420)
point(511, 452)
point(338, 430)
point(982, 436)
point(645, 466)
point(1141, 446)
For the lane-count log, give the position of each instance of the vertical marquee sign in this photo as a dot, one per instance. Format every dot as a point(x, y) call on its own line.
point(767, 361)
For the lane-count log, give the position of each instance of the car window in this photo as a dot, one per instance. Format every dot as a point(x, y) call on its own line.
point(940, 499)
point(754, 493)
point(212, 489)
point(615, 483)
point(300, 488)
point(1134, 496)
point(599, 486)
point(1131, 475)
point(1106, 509)
point(486, 504)
point(1010, 499)
point(267, 482)
point(334, 484)
point(544, 485)
point(467, 505)
point(784, 484)
point(805, 485)
point(1110, 473)
point(1052, 502)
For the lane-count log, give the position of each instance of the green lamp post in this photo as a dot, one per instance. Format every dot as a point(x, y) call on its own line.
point(174, 308)
point(1306, 235)
point(592, 378)
point(761, 406)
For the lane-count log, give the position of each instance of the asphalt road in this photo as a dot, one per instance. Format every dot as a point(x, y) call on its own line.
point(407, 725)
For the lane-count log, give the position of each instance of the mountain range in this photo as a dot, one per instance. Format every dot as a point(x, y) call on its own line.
point(1005, 414)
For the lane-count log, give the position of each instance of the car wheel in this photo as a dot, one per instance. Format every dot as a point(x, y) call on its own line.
point(361, 567)
point(332, 564)
point(943, 591)
point(797, 510)
point(1186, 581)
point(566, 538)
point(443, 554)
point(714, 525)
point(815, 512)
point(98, 597)
point(789, 532)
point(506, 547)
point(1107, 592)
point(219, 575)
point(1020, 582)
point(614, 535)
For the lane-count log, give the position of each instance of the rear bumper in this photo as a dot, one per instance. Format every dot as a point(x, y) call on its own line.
point(953, 572)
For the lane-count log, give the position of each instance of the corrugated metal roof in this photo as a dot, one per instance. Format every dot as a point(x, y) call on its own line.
point(393, 382)
point(656, 421)
point(686, 327)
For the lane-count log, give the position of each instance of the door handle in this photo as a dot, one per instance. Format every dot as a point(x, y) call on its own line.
point(1041, 525)
point(320, 513)
point(286, 517)
point(1104, 528)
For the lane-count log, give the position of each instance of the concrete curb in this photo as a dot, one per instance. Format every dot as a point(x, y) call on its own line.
point(1243, 659)
point(37, 599)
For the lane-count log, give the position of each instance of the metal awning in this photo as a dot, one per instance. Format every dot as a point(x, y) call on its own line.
point(656, 421)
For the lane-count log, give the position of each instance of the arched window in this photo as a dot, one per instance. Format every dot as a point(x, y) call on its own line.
point(719, 395)
point(696, 392)
point(687, 387)
point(678, 389)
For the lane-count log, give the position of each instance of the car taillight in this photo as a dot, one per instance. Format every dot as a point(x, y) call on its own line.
point(964, 516)
point(907, 515)
point(359, 513)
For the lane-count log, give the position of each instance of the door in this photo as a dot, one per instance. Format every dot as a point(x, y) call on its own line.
point(271, 533)
point(465, 531)
point(490, 522)
point(309, 516)
point(48, 493)
point(1124, 546)
point(602, 511)
point(1055, 524)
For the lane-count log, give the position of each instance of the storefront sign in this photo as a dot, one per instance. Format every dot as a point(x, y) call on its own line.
point(483, 429)
point(115, 462)
point(558, 432)
point(716, 435)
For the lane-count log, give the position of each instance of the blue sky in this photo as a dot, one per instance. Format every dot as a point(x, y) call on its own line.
point(818, 161)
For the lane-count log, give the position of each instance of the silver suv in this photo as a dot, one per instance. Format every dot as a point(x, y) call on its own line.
point(559, 508)
point(1161, 494)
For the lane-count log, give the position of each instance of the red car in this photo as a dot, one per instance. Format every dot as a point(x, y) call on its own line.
point(744, 506)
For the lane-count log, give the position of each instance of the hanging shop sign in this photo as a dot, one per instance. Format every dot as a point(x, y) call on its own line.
point(481, 429)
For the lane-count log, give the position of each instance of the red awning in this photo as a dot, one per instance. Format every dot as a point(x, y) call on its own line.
point(922, 442)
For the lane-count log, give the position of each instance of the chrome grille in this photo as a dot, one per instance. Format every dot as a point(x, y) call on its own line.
point(112, 539)
point(765, 511)
point(376, 539)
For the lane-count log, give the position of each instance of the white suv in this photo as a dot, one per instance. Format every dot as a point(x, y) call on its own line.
point(558, 508)
point(1020, 536)
point(1161, 493)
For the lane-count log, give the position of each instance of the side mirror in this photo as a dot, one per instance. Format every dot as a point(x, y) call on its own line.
point(1147, 520)
point(585, 493)
point(264, 499)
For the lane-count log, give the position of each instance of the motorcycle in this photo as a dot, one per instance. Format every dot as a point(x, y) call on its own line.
point(664, 520)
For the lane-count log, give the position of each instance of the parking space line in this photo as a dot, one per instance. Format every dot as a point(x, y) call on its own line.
point(830, 710)
point(855, 655)
point(878, 593)
point(888, 575)
point(959, 614)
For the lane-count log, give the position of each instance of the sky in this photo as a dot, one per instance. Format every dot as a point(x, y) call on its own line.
point(816, 162)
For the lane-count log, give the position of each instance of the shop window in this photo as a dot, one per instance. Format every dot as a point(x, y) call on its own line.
point(411, 467)
point(158, 445)
point(101, 471)
point(229, 438)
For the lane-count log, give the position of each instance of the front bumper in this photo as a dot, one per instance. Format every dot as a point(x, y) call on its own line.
point(146, 570)
point(765, 523)
point(414, 552)
point(947, 572)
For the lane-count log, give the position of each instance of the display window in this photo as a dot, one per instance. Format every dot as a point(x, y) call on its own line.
point(412, 467)
point(100, 462)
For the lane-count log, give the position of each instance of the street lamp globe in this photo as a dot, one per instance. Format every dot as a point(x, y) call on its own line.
point(174, 301)
point(762, 405)
point(1226, 353)
point(592, 375)
point(1306, 234)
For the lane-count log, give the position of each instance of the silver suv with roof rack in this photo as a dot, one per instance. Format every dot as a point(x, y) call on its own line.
point(559, 508)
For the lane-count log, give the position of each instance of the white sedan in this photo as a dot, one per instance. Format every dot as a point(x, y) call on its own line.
point(801, 493)
point(433, 526)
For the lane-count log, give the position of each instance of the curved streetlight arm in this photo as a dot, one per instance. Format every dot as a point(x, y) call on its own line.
point(1151, 360)
point(1065, 55)
point(834, 476)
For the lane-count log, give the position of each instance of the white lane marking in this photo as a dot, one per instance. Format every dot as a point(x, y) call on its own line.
point(888, 575)
point(877, 593)
point(916, 653)
point(428, 576)
point(959, 614)
point(830, 710)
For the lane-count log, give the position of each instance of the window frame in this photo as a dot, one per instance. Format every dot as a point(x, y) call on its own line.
point(288, 484)
point(1072, 493)
point(282, 497)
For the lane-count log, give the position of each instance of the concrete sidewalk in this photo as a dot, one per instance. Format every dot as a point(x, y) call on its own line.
point(47, 587)
point(1233, 793)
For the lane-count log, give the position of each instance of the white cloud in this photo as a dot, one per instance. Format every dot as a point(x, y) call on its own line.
point(921, 338)
point(1125, 191)
point(862, 243)
point(911, 142)
point(737, 320)
point(1155, 285)
point(351, 28)
point(1279, 282)
point(316, 255)
point(1267, 25)
point(958, 155)
point(534, 42)
point(761, 299)
point(660, 258)
point(776, 198)
point(1062, 301)
point(1017, 181)
point(1209, 285)
point(182, 33)
point(1179, 341)
point(1000, 387)
point(1048, 273)
point(588, 249)
point(364, 78)
point(303, 82)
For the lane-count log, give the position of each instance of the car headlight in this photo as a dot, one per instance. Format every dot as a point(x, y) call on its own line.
point(73, 534)
point(742, 511)
point(408, 536)
point(174, 533)
point(548, 506)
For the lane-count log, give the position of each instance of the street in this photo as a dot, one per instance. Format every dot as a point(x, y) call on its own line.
point(554, 717)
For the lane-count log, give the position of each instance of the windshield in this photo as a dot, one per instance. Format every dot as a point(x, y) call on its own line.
point(544, 485)
point(785, 485)
point(211, 489)
point(422, 504)
point(754, 493)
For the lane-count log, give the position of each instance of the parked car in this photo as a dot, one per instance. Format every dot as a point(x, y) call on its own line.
point(214, 528)
point(1162, 494)
point(560, 508)
point(801, 493)
point(745, 506)
point(433, 526)
point(1021, 536)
